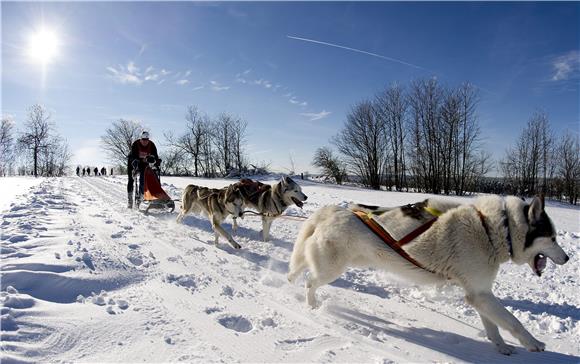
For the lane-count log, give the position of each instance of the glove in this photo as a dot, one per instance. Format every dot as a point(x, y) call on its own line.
point(150, 159)
point(158, 162)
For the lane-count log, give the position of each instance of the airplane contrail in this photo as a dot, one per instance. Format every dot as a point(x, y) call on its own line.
point(358, 51)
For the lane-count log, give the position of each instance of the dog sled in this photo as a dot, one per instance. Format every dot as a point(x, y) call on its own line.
point(153, 197)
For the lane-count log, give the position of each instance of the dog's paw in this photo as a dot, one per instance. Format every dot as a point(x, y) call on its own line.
point(535, 345)
point(505, 349)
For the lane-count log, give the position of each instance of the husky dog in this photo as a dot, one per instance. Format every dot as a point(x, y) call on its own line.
point(271, 201)
point(217, 204)
point(466, 245)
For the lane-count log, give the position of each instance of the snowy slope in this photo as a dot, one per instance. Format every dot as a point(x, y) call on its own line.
point(84, 279)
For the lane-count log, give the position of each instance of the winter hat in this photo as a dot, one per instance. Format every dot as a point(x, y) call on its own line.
point(145, 134)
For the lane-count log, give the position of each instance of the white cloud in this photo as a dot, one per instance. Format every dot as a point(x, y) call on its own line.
point(142, 50)
point(152, 77)
point(566, 66)
point(316, 116)
point(128, 78)
point(132, 68)
point(216, 86)
point(198, 87)
point(131, 74)
point(126, 75)
point(112, 70)
point(293, 101)
point(241, 79)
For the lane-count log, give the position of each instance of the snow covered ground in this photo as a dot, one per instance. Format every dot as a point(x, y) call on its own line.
point(85, 279)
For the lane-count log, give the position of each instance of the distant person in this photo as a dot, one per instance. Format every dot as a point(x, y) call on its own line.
point(84, 172)
point(88, 171)
point(78, 171)
point(139, 151)
point(111, 171)
point(96, 170)
point(103, 171)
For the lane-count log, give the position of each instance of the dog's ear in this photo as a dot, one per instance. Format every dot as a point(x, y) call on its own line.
point(536, 209)
point(287, 180)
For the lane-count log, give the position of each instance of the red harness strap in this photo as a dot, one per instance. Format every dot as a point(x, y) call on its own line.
point(388, 239)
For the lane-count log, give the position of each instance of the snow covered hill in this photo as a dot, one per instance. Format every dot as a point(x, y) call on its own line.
point(85, 279)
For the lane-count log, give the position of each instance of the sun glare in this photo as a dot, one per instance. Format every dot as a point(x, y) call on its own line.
point(43, 46)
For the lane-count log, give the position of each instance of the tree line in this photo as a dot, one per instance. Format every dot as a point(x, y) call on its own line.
point(36, 150)
point(426, 137)
point(208, 147)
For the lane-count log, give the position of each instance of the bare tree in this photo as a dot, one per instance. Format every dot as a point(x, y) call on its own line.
point(467, 164)
point(238, 144)
point(55, 158)
point(363, 143)
point(6, 146)
point(568, 169)
point(223, 142)
point(392, 106)
point(525, 163)
point(36, 138)
point(173, 162)
point(425, 149)
point(191, 142)
point(208, 149)
point(118, 139)
point(331, 165)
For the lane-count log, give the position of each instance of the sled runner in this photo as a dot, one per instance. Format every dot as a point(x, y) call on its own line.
point(154, 197)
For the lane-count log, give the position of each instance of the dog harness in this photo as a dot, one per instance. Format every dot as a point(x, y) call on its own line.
point(367, 219)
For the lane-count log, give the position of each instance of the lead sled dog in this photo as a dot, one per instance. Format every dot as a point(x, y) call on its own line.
point(271, 200)
point(217, 204)
point(466, 245)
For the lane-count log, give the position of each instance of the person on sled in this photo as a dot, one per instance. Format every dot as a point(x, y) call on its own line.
point(140, 149)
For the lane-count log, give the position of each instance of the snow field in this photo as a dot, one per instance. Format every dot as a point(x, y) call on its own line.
point(84, 279)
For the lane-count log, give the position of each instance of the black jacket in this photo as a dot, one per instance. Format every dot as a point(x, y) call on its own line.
point(138, 152)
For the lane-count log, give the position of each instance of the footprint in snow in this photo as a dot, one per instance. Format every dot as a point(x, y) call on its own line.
point(210, 310)
point(236, 323)
point(118, 235)
point(135, 257)
point(17, 238)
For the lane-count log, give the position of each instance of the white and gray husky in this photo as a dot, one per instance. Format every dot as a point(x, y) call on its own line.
point(217, 204)
point(271, 200)
point(465, 245)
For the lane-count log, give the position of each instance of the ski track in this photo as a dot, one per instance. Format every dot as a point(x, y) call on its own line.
point(85, 279)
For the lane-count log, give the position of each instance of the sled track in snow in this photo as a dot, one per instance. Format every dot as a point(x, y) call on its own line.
point(114, 193)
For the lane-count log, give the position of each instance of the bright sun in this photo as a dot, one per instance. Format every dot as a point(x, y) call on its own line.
point(43, 46)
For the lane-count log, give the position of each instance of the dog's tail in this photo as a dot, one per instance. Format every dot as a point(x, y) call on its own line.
point(298, 259)
point(189, 194)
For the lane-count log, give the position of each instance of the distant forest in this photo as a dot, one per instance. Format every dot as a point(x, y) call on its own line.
point(423, 137)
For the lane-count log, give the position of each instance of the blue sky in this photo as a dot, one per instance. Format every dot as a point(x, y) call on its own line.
point(148, 61)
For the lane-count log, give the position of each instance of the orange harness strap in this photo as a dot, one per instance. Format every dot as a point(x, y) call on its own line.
point(388, 239)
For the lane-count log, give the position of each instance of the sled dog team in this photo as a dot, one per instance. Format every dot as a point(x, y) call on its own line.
point(428, 242)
